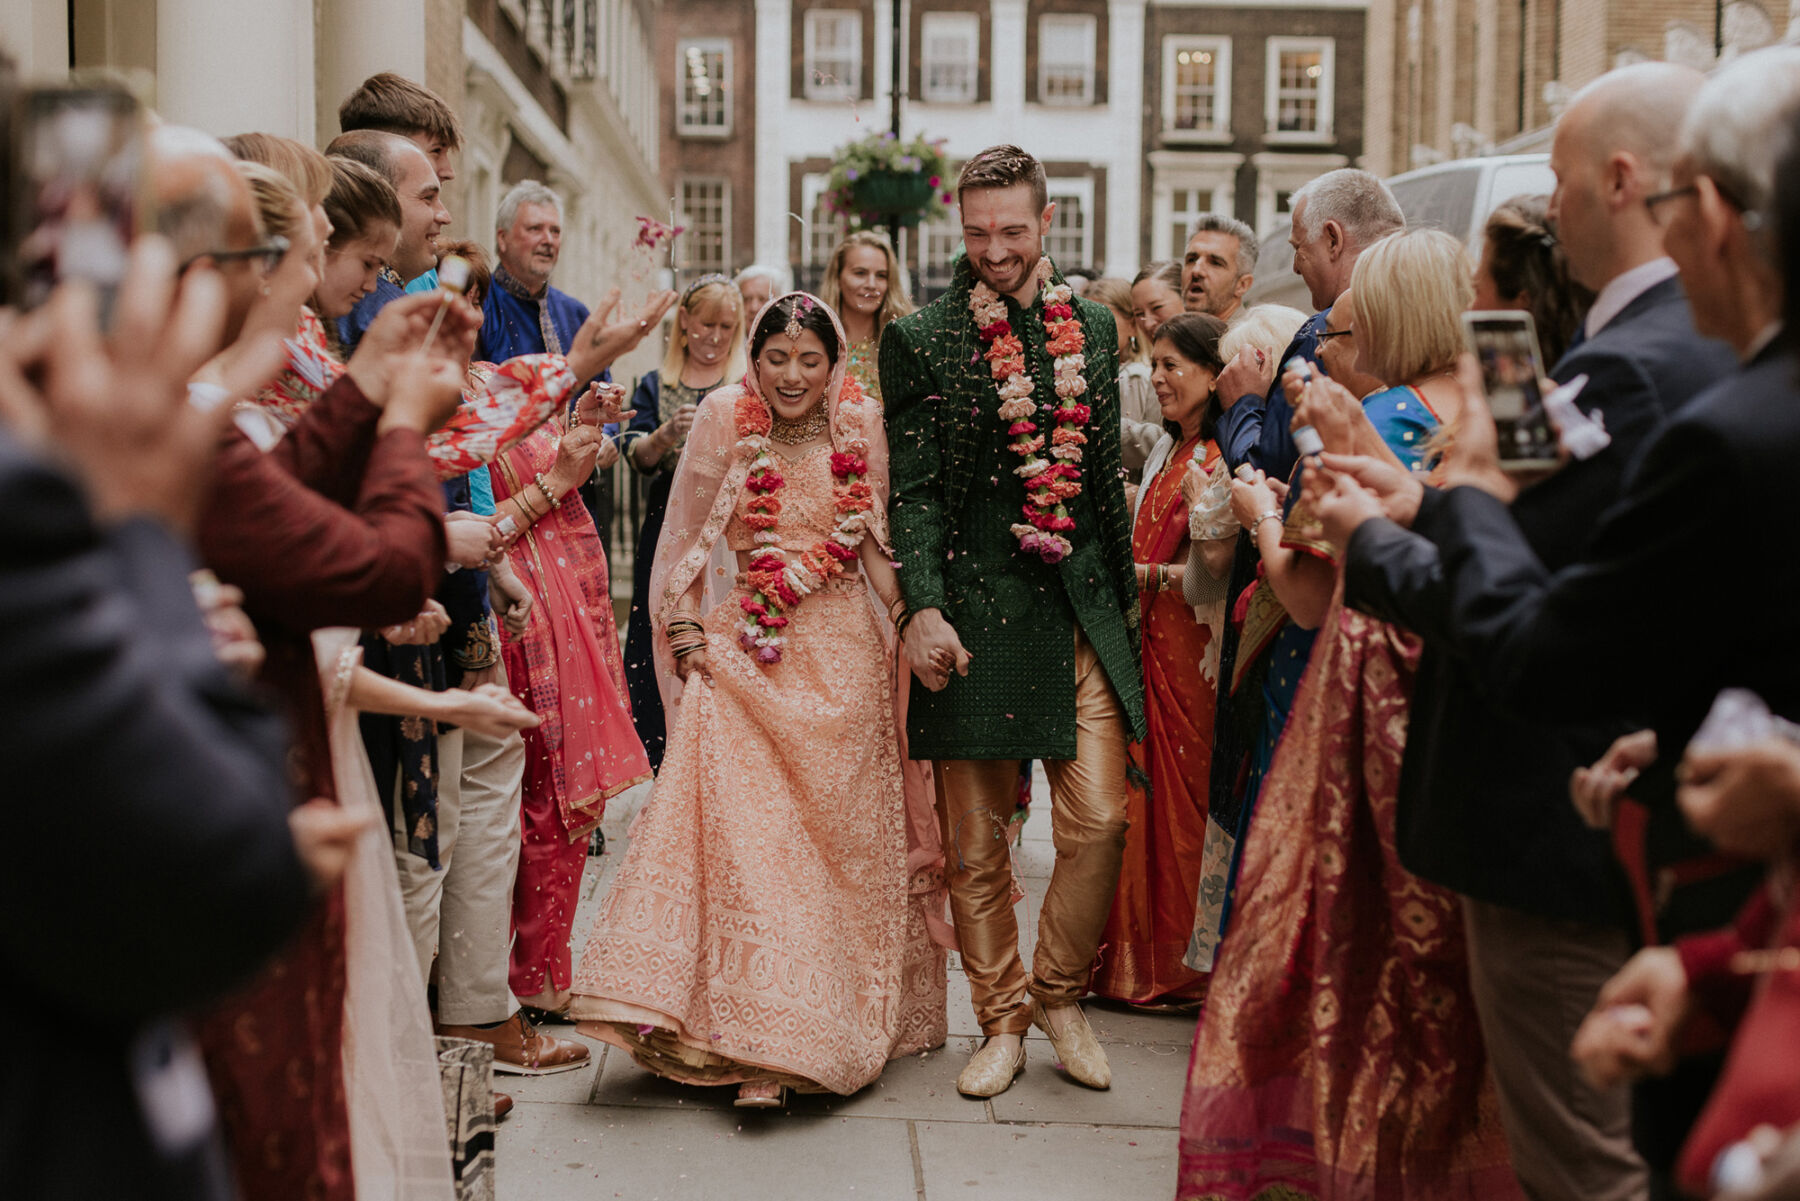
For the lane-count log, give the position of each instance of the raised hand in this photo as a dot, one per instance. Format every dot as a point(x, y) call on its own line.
point(603, 404)
point(1473, 459)
point(1340, 503)
point(391, 348)
point(1746, 800)
point(1249, 373)
point(471, 539)
point(1398, 491)
point(1595, 790)
point(602, 339)
point(116, 409)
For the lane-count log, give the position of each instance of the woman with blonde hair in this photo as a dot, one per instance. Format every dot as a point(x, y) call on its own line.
point(866, 286)
point(706, 351)
point(1340, 1051)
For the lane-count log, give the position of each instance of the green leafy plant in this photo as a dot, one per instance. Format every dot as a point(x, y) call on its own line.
point(881, 178)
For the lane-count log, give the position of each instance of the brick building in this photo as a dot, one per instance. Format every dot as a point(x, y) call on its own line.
point(758, 96)
point(1244, 104)
point(1461, 77)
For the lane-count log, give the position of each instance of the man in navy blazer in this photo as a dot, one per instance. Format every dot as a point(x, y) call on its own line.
point(1694, 550)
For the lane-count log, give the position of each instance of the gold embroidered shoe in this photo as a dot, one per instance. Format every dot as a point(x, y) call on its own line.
point(990, 1070)
point(1080, 1052)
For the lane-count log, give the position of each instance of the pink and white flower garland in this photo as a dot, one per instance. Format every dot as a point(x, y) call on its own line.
point(775, 583)
point(1051, 480)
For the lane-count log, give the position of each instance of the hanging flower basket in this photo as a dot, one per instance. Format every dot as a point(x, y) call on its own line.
point(880, 179)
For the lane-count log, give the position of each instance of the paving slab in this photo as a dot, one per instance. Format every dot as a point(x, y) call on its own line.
point(1025, 1163)
point(1147, 1083)
point(595, 1152)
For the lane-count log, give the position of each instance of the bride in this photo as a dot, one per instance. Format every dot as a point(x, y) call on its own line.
point(768, 927)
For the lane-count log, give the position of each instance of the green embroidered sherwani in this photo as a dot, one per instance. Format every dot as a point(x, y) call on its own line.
point(954, 500)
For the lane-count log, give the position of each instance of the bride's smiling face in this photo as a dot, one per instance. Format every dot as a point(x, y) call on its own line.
point(793, 374)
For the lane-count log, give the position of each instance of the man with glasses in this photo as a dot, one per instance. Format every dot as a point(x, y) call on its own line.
point(1588, 622)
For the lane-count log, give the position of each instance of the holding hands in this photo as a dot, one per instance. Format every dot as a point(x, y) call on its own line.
point(1632, 1029)
point(933, 649)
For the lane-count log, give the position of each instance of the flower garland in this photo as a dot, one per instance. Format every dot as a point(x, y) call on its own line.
point(1051, 480)
point(776, 583)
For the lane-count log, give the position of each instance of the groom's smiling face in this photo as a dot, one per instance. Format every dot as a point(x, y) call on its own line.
point(1003, 233)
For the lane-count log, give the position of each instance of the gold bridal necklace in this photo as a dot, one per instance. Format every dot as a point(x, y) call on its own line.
point(800, 429)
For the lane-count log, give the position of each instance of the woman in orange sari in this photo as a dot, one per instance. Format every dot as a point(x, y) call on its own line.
point(1152, 915)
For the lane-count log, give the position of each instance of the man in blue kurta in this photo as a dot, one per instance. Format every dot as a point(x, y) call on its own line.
point(525, 315)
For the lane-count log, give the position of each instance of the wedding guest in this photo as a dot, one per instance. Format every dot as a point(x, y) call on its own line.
point(1140, 417)
point(1218, 266)
point(1156, 296)
point(1152, 914)
point(1213, 540)
point(1524, 265)
point(782, 696)
point(865, 283)
point(757, 283)
point(706, 351)
point(116, 702)
point(1340, 1043)
point(565, 665)
point(1538, 884)
point(423, 217)
point(365, 228)
point(390, 103)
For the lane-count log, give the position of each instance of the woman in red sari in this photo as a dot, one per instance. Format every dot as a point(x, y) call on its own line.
point(567, 668)
point(1153, 910)
point(1339, 1056)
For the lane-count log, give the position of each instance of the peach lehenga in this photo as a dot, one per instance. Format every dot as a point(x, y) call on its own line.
point(770, 919)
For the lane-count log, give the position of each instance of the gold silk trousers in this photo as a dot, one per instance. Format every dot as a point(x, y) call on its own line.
point(976, 801)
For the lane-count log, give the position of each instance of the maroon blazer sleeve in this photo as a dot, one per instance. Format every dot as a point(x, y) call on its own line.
point(305, 562)
point(328, 448)
point(1722, 993)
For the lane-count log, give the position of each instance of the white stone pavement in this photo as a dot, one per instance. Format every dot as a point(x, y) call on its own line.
point(616, 1131)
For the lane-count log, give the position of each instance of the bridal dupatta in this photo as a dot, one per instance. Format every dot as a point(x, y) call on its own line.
point(708, 481)
point(398, 1147)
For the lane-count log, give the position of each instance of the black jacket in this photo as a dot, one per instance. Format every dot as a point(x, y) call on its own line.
point(147, 864)
point(1687, 587)
point(1484, 795)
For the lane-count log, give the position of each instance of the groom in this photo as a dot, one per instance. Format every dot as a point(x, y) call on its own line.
point(1014, 547)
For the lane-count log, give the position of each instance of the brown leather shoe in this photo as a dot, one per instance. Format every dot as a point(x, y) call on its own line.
point(502, 1105)
point(521, 1050)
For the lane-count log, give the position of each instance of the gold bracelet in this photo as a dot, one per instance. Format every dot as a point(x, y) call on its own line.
point(549, 496)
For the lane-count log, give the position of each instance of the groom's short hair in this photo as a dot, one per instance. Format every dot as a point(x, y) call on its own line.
point(1003, 167)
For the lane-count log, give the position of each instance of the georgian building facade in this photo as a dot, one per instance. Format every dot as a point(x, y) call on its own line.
point(761, 94)
point(1245, 103)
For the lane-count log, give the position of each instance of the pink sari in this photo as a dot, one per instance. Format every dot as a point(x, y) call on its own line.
point(566, 667)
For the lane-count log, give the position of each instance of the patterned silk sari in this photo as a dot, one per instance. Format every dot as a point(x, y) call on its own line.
point(567, 669)
point(1153, 910)
point(1339, 1055)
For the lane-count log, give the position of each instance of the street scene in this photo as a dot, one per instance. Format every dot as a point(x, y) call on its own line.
point(920, 599)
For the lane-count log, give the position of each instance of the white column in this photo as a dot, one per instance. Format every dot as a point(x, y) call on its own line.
point(1381, 88)
point(357, 39)
point(1006, 59)
point(774, 61)
point(228, 67)
point(1125, 171)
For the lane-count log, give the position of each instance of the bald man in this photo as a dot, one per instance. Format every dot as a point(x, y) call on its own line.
point(1484, 806)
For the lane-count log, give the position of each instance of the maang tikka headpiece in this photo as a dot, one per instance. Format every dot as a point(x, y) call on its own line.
point(794, 329)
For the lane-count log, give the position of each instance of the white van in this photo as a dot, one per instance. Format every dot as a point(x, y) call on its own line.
point(1456, 196)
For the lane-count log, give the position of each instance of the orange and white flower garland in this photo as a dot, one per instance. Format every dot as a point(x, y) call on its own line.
point(777, 584)
point(1051, 480)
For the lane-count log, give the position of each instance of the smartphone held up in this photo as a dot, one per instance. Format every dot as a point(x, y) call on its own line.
point(1506, 345)
point(77, 190)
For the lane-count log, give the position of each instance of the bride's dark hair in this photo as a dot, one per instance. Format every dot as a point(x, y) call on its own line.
point(814, 316)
